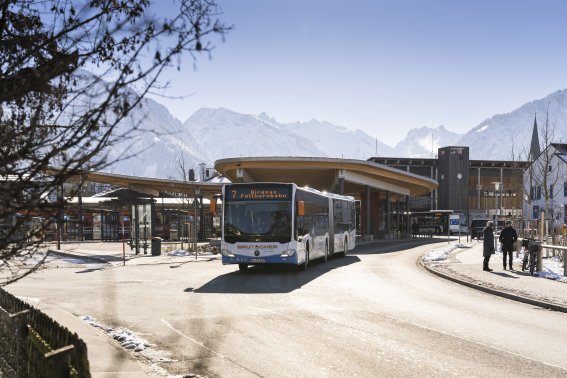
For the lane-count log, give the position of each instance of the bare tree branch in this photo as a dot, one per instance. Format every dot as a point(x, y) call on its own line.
point(55, 112)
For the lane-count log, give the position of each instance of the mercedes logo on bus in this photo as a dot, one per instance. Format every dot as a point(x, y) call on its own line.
point(256, 253)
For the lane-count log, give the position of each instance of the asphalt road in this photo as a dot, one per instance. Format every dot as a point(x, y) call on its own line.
point(373, 313)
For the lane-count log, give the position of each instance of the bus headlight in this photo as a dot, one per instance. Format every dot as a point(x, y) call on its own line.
point(227, 253)
point(288, 253)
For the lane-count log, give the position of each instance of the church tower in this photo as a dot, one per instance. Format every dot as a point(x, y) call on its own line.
point(535, 149)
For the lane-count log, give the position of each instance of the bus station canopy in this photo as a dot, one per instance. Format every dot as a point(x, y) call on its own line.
point(325, 174)
point(150, 186)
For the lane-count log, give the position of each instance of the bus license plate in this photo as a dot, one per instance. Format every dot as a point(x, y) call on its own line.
point(257, 260)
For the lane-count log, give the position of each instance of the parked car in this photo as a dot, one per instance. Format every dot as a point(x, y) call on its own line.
point(477, 225)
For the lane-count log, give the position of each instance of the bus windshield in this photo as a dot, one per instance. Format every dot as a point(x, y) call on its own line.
point(257, 221)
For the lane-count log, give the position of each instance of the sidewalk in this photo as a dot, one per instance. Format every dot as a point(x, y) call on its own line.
point(464, 265)
point(106, 357)
point(118, 253)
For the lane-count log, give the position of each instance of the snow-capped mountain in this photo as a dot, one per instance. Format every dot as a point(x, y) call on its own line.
point(157, 147)
point(336, 141)
point(508, 136)
point(212, 134)
point(425, 141)
point(222, 133)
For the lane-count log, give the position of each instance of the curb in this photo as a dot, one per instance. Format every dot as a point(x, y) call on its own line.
point(92, 259)
point(533, 302)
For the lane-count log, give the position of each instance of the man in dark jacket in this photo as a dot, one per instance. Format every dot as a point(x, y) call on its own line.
point(488, 246)
point(508, 238)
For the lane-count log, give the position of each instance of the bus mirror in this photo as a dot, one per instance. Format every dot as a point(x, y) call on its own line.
point(213, 204)
point(301, 208)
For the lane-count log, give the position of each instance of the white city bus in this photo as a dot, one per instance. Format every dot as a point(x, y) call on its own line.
point(277, 223)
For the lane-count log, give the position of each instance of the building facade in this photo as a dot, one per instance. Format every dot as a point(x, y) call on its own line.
point(482, 189)
point(545, 183)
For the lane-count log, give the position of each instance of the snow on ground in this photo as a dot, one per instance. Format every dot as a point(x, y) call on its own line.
point(126, 338)
point(552, 267)
point(182, 253)
point(130, 341)
point(440, 254)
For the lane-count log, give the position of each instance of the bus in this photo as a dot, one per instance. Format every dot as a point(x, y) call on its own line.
point(280, 223)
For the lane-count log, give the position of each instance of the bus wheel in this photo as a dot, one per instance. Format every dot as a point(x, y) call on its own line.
point(326, 257)
point(243, 266)
point(303, 267)
point(345, 248)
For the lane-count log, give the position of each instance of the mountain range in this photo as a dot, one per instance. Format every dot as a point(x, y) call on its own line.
point(207, 135)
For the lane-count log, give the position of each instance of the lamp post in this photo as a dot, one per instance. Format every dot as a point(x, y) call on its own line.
point(197, 193)
point(497, 193)
point(500, 190)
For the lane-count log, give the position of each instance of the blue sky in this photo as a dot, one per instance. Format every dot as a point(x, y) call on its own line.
point(384, 67)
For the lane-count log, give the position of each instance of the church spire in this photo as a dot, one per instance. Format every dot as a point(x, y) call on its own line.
point(535, 149)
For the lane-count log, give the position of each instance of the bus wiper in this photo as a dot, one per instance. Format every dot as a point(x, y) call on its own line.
point(232, 229)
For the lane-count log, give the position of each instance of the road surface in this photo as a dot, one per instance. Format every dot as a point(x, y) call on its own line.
point(373, 313)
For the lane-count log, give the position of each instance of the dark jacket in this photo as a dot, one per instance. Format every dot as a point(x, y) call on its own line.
point(488, 235)
point(508, 237)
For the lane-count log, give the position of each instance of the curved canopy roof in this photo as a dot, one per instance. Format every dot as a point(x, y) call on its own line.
point(324, 174)
point(151, 186)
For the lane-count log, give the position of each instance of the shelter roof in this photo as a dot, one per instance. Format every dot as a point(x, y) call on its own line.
point(324, 174)
point(150, 186)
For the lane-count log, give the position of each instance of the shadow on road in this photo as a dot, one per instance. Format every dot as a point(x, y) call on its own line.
point(505, 275)
point(90, 270)
point(393, 246)
point(271, 278)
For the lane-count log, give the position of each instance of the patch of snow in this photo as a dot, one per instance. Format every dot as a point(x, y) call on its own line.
point(482, 129)
point(179, 252)
point(440, 254)
point(126, 338)
point(552, 269)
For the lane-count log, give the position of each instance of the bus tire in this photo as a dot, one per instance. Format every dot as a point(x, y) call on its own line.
point(242, 267)
point(345, 248)
point(326, 257)
point(303, 267)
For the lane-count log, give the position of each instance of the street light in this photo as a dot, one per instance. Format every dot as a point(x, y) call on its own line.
point(497, 193)
point(197, 193)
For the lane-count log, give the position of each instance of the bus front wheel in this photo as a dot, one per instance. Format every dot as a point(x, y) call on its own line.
point(243, 266)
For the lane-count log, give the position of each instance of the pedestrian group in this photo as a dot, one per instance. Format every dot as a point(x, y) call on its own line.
point(508, 237)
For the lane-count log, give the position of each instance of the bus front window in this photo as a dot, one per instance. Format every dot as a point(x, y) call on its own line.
point(257, 221)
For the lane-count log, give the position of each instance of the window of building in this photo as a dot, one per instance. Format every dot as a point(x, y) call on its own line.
point(535, 192)
point(565, 189)
point(551, 191)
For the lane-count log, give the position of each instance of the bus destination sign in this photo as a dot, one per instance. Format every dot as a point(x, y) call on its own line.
point(243, 193)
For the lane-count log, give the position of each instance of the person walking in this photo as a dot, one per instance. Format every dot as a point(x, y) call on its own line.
point(488, 245)
point(414, 228)
point(508, 238)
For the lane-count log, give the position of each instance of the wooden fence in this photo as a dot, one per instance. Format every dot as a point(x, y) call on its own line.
point(34, 345)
